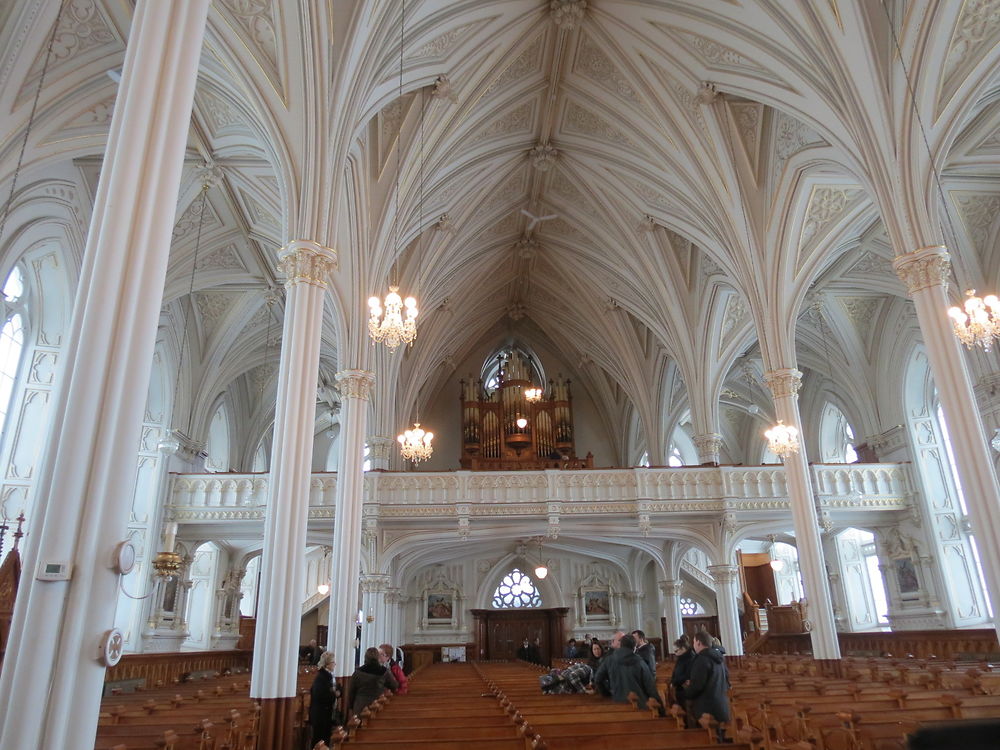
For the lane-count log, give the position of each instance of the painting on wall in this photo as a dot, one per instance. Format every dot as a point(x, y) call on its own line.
point(906, 576)
point(597, 604)
point(440, 607)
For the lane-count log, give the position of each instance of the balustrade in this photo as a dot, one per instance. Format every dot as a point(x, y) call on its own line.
point(862, 487)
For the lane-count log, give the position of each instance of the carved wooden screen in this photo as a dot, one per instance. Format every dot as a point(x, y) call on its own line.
point(10, 575)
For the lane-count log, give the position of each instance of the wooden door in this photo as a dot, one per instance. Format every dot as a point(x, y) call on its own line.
point(500, 632)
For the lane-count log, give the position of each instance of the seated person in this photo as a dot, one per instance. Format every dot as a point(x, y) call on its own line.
point(369, 681)
point(570, 651)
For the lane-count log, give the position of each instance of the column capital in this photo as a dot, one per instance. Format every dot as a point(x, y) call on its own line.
point(723, 573)
point(380, 447)
point(708, 446)
point(306, 262)
point(355, 383)
point(924, 268)
point(375, 584)
point(783, 382)
point(671, 587)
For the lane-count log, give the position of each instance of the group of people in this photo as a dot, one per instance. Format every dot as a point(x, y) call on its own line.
point(699, 682)
point(378, 673)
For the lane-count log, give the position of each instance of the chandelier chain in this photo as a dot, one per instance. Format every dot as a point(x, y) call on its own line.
point(31, 120)
point(187, 316)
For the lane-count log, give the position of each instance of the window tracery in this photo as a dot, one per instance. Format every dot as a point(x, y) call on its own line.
point(516, 590)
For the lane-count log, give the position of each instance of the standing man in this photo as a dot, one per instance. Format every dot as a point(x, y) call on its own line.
point(709, 683)
point(644, 650)
point(623, 672)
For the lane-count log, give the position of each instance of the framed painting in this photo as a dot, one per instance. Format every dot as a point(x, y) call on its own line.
point(596, 604)
point(906, 576)
point(440, 607)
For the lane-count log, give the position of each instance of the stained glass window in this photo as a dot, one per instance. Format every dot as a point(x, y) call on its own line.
point(690, 607)
point(516, 590)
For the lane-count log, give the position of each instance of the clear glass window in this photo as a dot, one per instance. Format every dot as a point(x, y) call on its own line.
point(11, 345)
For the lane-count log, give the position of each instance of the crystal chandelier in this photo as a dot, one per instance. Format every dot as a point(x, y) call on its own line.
point(783, 439)
point(533, 394)
point(415, 445)
point(979, 323)
point(390, 329)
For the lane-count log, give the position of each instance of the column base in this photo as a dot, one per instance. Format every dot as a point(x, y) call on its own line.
point(277, 723)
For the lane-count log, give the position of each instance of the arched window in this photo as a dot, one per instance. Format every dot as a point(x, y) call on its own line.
point(11, 340)
point(836, 437)
point(516, 590)
point(260, 458)
point(675, 459)
point(218, 441)
point(248, 587)
point(11, 344)
point(367, 464)
point(644, 459)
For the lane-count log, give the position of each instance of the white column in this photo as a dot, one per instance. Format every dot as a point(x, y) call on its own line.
point(708, 446)
point(671, 591)
point(784, 384)
point(375, 629)
point(355, 390)
point(84, 487)
point(925, 273)
point(306, 266)
point(726, 577)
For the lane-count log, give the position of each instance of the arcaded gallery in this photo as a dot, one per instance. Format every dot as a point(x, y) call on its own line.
point(499, 374)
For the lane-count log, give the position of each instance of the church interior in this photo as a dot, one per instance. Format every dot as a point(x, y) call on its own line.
point(451, 324)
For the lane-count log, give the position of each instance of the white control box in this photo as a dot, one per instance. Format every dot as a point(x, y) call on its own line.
point(54, 570)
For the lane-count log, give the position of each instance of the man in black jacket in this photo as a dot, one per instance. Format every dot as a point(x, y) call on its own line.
point(623, 672)
point(709, 681)
point(645, 650)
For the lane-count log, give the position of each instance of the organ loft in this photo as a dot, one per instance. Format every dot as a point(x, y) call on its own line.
point(512, 419)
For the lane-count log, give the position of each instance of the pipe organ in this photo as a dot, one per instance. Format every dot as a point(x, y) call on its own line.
point(510, 423)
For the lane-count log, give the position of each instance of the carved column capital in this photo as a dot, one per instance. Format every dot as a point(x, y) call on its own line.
point(355, 383)
point(671, 587)
point(723, 574)
point(306, 262)
point(783, 382)
point(708, 445)
point(923, 268)
point(375, 584)
point(380, 447)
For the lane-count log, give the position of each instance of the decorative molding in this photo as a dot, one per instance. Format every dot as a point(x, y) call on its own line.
point(305, 262)
point(924, 268)
point(543, 156)
point(567, 14)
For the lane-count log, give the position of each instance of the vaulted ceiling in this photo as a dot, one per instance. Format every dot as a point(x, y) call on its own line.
point(728, 182)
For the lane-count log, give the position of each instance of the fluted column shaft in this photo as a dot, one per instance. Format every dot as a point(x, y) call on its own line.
point(306, 266)
point(925, 273)
point(355, 390)
point(671, 592)
point(84, 487)
point(726, 578)
point(784, 385)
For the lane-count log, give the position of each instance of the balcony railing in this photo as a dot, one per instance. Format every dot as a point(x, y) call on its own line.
point(853, 487)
